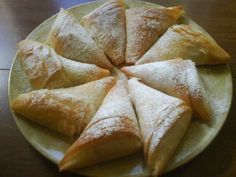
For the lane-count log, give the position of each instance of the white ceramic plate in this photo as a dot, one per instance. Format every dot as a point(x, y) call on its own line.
point(218, 82)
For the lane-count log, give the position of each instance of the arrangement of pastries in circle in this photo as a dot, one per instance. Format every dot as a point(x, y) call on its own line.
point(149, 110)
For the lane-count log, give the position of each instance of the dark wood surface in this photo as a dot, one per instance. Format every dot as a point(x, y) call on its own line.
point(19, 17)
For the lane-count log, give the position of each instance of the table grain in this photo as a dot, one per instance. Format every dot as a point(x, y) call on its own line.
point(19, 17)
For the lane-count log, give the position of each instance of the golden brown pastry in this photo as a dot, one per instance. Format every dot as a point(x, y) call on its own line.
point(106, 25)
point(113, 132)
point(181, 41)
point(145, 26)
point(72, 41)
point(177, 78)
point(163, 121)
point(66, 111)
point(45, 69)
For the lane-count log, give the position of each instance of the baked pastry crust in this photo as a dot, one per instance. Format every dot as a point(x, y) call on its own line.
point(178, 78)
point(71, 40)
point(113, 132)
point(163, 121)
point(45, 69)
point(106, 25)
point(145, 26)
point(181, 41)
point(67, 110)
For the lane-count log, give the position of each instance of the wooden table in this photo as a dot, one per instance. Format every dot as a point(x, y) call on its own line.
point(18, 18)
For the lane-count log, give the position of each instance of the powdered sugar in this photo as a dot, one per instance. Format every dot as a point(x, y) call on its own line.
point(39, 62)
point(71, 40)
point(115, 114)
point(106, 25)
point(151, 106)
point(184, 42)
point(194, 82)
point(116, 103)
point(177, 78)
point(169, 77)
point(144, 26)
point(163, 127)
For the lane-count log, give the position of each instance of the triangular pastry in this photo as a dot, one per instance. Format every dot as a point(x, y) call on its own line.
point(163, 121)
point(112, 133)
point(145, 25)
point(106, 25)
point(177, 78)
point(66, 111)
point(45, 69)
point(182, 41)
point(72, 41)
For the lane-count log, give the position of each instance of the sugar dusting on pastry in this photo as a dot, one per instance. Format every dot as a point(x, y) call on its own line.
point(152, 109)
point(145, 26)
point(106, 25)
point(45, 69)
point(116, 105)
point(114, 121)
point(157, 114)
point(157, 73)
point(177, 78)
point(71, 40)
point(185, 42)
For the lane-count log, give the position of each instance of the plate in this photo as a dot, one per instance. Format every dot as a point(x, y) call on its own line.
point(217, 79)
